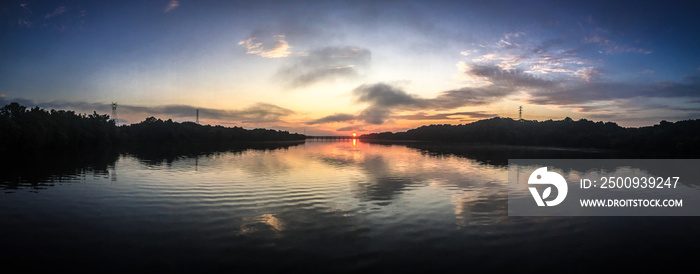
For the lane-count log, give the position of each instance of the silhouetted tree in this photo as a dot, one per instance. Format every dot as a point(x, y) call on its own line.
point(38, 129)
point(682, 137)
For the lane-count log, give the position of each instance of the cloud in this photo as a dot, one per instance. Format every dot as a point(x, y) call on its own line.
point(582, 93)
point(350, 128)
point(597, 40)
point(588, 74)
point(385, 95)
point(577, 81)
point(639, 111)
point(171, 6)
point(554, 73)
point(447, 116)
point(280, 47)
point(612, 48)
point(544, 58)
point(509, 40)
point(324, 64)
point(384, 99)
point(587, 94)
point(375, 115)
point(504, 61)
point(339, 117)
point(513, 78)
point(24, 22)
point(256, 113)
point(56, 12)
point(467, 52)
point(468, 97)
point(577, 93)
point(545, 46)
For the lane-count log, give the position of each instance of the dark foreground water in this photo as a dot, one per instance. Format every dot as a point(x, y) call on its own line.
point(317, 207)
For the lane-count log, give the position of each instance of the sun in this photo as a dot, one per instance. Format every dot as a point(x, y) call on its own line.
point(354, 134)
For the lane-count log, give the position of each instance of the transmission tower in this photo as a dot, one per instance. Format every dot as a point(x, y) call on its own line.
point(520, 113)
point(197, 119)
point(114, 113)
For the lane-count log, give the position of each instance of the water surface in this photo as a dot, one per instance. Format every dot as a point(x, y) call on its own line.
point(340, 206)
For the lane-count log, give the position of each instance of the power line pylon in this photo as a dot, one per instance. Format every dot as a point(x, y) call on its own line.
point(114, 113)
point(520, 113)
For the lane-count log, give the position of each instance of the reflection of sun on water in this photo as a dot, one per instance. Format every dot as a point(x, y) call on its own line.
point(354, 142)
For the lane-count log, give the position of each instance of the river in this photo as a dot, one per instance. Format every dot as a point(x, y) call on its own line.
point(319, 206)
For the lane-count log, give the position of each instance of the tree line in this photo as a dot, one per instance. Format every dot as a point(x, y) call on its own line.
point(674, 137)
point(39, 129)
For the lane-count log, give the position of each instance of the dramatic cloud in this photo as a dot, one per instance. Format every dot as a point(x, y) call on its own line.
point(562, 91)
point(384, 100)
point(279, 48)
point(572, 81)
point(324, 64)
point(384, 95)
point(517, 52)
point(584, 89)
point(554, 73)
point(375, 115)
point(171, 6)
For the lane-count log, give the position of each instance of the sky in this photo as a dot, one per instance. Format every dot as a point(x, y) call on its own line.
point(337, 67)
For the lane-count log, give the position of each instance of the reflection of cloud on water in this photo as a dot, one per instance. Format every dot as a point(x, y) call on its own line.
point(262, 164)
point(477, 191)
point(384, 183)
point(389, 174)
point(262, 223)
point(484, 208)
point(313, 232)
point(391, 170)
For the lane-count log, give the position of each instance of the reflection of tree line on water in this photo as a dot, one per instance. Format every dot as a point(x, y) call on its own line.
point(39, 169)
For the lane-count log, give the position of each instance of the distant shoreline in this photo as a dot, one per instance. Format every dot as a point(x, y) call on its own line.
point(681, 137)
